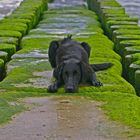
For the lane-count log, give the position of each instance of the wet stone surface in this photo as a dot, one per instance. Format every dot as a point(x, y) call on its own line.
point(132, 7)
point(7, 6)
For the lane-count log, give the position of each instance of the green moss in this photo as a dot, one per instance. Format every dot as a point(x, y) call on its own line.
point(9, 48)
point(20, 74)
point(132, 69)
point(115, 69)
point(111, 3)
point(114, 22)
point(7, 110)
point(127, 31)
point(17, 21)
point(9, 33)
point(124, 18)
point(130, 42)
point(124, 105)
point(29, 44)
point(116, 10)
point(131, 49)
point(21, 27)
point(116, 27)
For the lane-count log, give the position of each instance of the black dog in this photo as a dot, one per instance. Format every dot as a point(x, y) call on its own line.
point(71, 65)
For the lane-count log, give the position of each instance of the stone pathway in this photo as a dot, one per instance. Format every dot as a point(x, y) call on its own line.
point(7, 6)
point(63, 118)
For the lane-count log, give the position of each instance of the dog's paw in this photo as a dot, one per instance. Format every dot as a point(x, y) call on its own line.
point(97, 83)
point(52, 88)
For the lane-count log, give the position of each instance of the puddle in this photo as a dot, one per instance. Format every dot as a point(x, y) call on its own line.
point(63, 118)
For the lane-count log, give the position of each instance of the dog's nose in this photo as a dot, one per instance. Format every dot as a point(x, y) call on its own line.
point(70, 89)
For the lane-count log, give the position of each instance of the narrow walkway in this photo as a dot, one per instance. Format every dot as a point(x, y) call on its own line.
point(63, 118)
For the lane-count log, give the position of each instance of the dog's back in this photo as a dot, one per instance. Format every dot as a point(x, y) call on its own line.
point(70, 49)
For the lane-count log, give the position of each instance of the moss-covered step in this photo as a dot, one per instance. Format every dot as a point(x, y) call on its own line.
point(9, 40)
point(131, 50)
point(37, 42)
point(128, 59)
point(125, 33)
point(9, 48)
point(96, 5)
point(20, 20)
point(119, 46)
point(134, 75)
point(29, 10)
point(10, 33)
point(122, 18)
point(16, 21)
point(126, 42)
point(4, 56)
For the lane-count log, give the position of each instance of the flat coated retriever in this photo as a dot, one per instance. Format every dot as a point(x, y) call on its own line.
point(70, 60)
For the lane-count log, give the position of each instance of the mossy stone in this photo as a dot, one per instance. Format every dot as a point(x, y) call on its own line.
point(4, 56)
point(137, 82)
point(9, 40)
point(9, 33)
point(9, 48)
point(132, 69)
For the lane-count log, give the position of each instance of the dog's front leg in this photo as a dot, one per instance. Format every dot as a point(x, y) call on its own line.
point(94, 81)
point(54, 87)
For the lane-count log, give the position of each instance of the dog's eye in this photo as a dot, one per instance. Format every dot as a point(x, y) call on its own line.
point(75, 72)
point(66, 73)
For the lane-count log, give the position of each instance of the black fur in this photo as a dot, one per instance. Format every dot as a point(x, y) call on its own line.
point(70, 60)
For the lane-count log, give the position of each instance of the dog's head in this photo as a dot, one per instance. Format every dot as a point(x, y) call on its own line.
point(72, 74)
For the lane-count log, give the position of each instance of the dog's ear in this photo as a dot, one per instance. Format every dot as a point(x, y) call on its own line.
point(86, 47)
point(84, 71)
point(58, 72)
point(52, 52)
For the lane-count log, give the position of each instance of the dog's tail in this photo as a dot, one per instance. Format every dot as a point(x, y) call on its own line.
point(103, 66)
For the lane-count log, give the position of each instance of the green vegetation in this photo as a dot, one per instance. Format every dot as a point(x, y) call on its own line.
point(9, 48)
point(10, 33)
point(124, 18)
